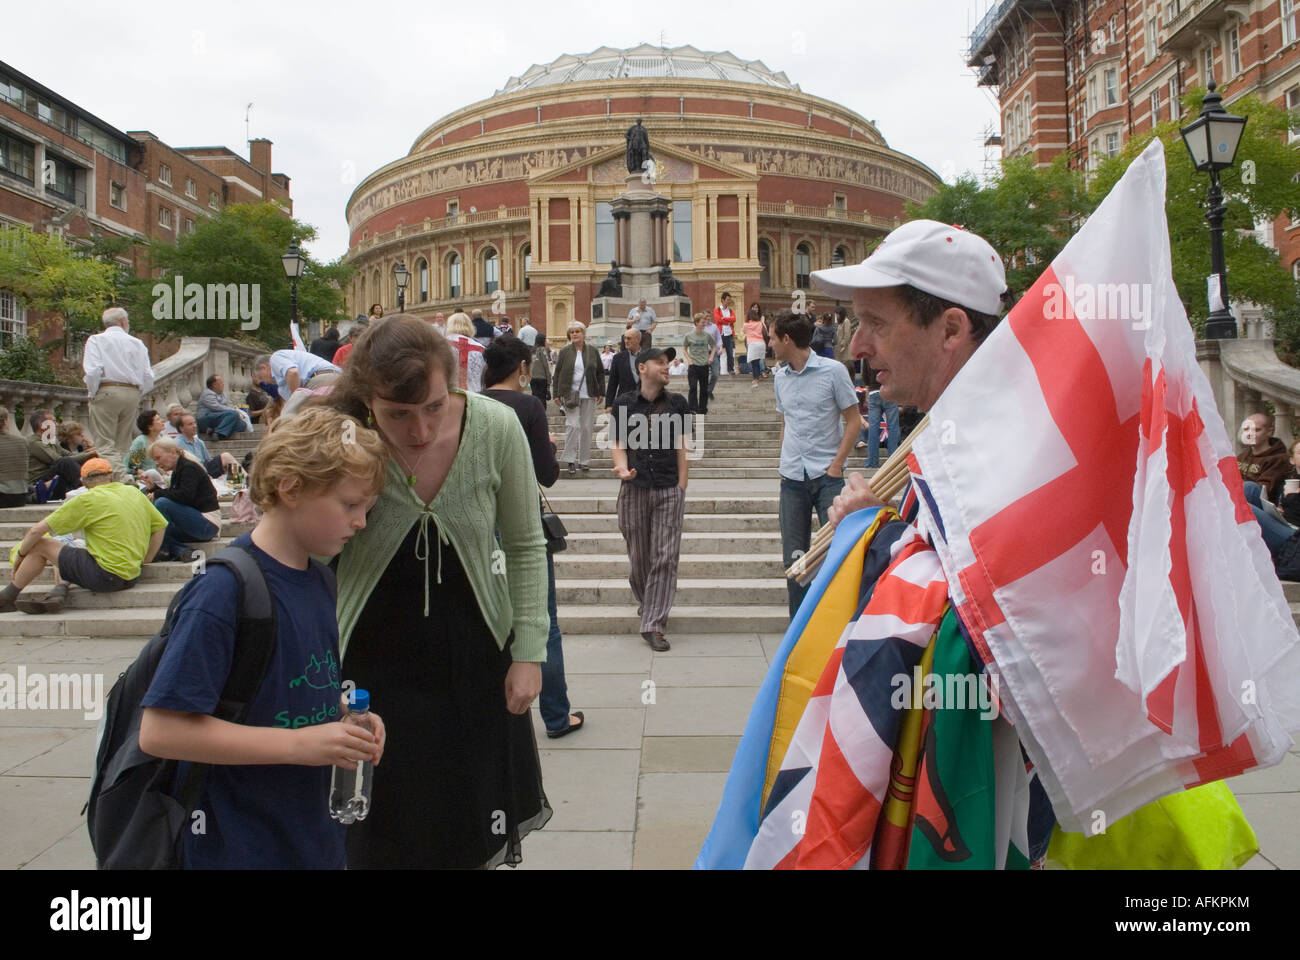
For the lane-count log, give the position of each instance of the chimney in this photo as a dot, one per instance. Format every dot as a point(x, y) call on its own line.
point(259, 155)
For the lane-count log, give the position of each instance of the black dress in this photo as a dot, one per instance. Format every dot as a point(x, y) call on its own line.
point(460, 783)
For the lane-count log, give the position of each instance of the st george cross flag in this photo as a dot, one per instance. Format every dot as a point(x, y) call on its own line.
point(469, 360)
point(1080, 489)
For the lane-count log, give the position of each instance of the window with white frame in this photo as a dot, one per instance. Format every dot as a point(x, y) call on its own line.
point(1112, 86)
point(1175, 98)
point(1295, 270)
point(1288, 22)
point(164, 174)
point(1234, 52)
point(1111, 29)
point(1155, 106)
point(1094, 154)
point(1112, 144)
point(13, 319)
point(1092, 95)
point(165, 217)
point(1207, 65)
point(191, 188)
point(1293, 106)
point(116, 195)
point(214, 200)
point(1150, 38)
point(189, 225)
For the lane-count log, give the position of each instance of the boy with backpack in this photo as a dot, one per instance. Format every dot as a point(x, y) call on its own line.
point(264, 801)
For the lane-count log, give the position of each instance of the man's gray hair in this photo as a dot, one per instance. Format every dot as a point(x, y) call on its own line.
point(262, 361)
point(114, 316)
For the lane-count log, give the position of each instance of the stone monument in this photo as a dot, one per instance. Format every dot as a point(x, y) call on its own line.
point(642, 254)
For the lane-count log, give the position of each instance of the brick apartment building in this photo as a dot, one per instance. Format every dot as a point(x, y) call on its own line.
point(1083, 76)
point(64, 170)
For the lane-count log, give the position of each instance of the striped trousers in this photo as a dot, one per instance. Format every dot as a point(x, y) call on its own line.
point(651, 523)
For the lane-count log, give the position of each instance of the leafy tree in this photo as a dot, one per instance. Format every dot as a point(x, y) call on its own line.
point(242, 245)
point(27, 360)
point(1259, 187)
point(1027, 214)
point(51, 276)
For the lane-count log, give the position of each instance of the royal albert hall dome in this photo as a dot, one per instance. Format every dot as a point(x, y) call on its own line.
point(506, 202)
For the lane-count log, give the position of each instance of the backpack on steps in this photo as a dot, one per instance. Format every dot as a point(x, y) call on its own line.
point(134, 820)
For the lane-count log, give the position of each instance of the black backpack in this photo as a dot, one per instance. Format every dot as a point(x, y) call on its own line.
point(135, 821)
point(1287, 561)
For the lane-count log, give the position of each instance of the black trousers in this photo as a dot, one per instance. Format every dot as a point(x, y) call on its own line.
point(698, 378)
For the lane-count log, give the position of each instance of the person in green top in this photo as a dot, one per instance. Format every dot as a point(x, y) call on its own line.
point(443, 610)
point(700, 350)
point(122, 530)
point(52, 468)
point(151, 426)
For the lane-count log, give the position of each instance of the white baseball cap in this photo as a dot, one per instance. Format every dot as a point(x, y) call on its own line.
point(942, 260)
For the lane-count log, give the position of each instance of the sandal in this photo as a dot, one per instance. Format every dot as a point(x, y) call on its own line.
point(556, 734)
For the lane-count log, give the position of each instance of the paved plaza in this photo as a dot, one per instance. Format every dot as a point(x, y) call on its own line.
point(636, 789)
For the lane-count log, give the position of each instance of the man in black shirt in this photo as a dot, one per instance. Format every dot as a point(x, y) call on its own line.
point(649, 427)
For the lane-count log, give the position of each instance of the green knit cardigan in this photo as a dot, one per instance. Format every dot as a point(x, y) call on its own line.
point(491, 487)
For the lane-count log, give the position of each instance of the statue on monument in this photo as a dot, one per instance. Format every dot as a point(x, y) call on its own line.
point(638, 147)
point(669, 286)
point(612, 285)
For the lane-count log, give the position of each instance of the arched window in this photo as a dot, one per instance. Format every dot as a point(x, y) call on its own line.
point(526, 258)
point(840, 257)
point(422, 280)
point(453, 276)
point(802, 266)
point(764, 264)
point(491, 271)
point(1295, 270)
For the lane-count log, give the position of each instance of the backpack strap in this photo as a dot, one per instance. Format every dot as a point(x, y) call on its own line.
point(255, 626)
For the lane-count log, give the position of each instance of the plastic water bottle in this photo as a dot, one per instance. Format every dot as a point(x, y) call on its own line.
point(350, 789)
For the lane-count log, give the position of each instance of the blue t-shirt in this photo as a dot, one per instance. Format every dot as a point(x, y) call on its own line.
point(259, 815)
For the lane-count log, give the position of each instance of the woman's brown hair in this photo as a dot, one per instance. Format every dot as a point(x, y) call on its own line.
point(393, 360)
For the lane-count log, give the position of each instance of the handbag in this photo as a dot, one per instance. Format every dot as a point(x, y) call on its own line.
point(553, 527)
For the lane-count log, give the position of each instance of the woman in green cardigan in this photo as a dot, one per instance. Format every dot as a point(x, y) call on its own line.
point(442, 610)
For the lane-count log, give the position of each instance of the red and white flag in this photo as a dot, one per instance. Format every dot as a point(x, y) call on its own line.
point(1081, 490)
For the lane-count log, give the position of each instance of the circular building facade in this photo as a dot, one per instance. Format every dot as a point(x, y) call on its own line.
point(507, 204)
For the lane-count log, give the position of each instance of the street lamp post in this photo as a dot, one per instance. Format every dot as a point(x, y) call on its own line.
point(294, 263)
point(403, 278)
point(1212, 140)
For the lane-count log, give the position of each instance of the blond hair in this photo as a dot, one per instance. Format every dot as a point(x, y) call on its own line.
point(67, 430)
point(317, 448)
point(574, 325)
point(459, 324)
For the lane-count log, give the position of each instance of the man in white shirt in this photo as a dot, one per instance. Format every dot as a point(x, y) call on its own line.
point(643, 318)
point(117, 371)
point(528, 333)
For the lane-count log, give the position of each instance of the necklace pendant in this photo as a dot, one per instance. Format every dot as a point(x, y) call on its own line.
point(411, 480)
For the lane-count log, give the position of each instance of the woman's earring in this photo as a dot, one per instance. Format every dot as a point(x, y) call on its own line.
point(523, 382)
point(370, 418)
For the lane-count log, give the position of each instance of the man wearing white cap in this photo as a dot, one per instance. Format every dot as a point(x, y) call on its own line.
point(925, 299)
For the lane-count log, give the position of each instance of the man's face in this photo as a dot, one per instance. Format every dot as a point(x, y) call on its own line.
point(641, 304)
point(1255, 430)
point(174, 416)
point(189, 427)
point(219, 385)
point(633, 340)
point(783, 348)
point(264, 373)
point(909, 361)
point(654, 371)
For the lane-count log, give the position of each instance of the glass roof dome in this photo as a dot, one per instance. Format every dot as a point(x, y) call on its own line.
point(647, 60)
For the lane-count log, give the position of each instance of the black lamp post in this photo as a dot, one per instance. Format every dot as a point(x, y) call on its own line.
point(1212, 140)
point(293, 267)
point(403, 278)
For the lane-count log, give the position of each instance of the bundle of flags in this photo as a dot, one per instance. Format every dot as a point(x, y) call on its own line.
point(1096, 567)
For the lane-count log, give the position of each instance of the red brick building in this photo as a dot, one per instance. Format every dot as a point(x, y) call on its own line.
point(512, 194)
point(64, 170)
point(1084, 76)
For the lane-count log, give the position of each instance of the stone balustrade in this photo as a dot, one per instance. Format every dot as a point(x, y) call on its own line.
point(1247, 377)
point(179, 378)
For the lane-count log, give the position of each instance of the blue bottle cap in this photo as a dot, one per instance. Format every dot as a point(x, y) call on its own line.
point(360, 700)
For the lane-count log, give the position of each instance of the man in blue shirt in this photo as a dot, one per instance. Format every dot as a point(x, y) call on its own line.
point(819, 410)
point(291, 369)
point(188, 439)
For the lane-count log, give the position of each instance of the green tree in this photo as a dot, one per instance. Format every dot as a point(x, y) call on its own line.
point(241, 245)
point(1260, 187)
point(50, 276)
point(1028, 213)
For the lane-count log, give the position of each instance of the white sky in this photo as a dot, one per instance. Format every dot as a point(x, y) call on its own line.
point(345, 87)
